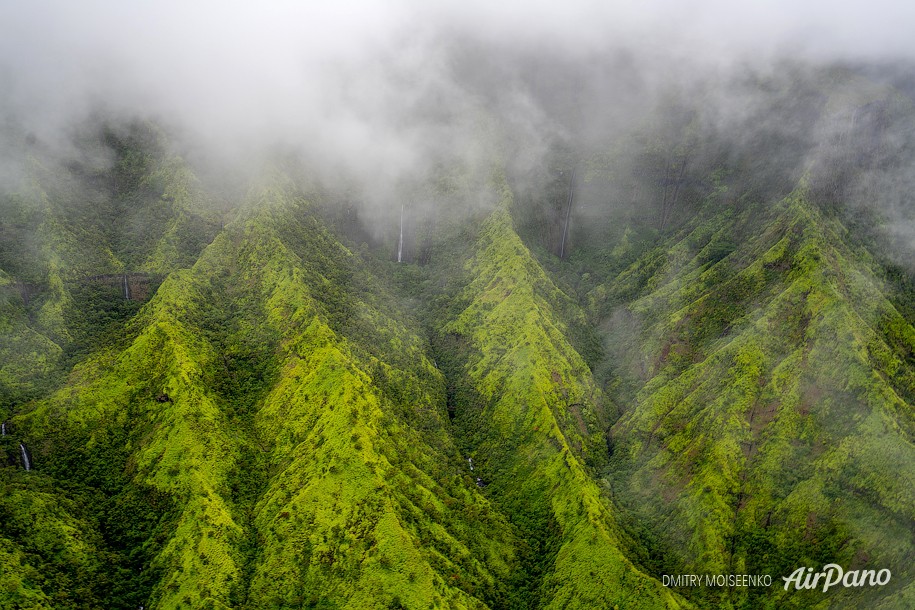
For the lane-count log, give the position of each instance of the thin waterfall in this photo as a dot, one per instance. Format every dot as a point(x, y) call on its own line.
point(25, 457)
point(4, 428)
point(565, 226)
point(126, 288)
point(400, 243)
point(470, 461)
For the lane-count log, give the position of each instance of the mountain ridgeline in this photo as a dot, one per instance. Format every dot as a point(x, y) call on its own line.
point(672, 354)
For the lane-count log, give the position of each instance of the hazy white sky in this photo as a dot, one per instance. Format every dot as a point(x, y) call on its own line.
point(207, 50)
point(339, 73)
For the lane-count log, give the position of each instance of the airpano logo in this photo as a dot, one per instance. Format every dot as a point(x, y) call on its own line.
point(832, 575)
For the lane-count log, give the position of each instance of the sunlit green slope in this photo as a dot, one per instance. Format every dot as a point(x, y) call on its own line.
point(291, 422)
point(534, 419)
point(368, 503)
point(769, 425)
point(291, 432)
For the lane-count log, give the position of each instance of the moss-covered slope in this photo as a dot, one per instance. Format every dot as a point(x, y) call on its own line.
point(771, 425)
point(534, 419)
point(291, 432)
point(368, 503)
point(68, 231)
point(51, 551)
point(27, 357)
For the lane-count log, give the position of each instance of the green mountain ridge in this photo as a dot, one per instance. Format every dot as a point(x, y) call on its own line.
point(124, 206)
point(774, 405)
point(359, 486)
point(543, 417)
point(283, 418)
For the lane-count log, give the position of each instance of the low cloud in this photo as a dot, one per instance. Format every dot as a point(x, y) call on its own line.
point(384, 90)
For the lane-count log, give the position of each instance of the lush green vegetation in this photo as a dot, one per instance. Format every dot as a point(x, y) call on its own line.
point(294, 430)
point(717, 379)
point(534, 424)
point(770, 381)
